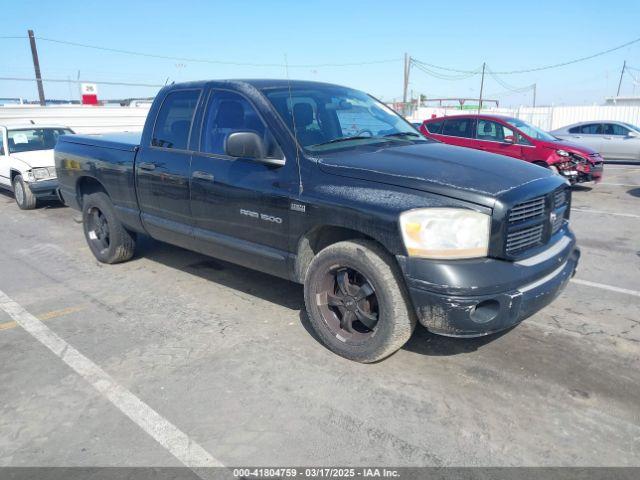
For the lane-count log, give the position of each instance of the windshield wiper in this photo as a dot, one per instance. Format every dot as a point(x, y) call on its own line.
point(403, 134)
point(343, 139)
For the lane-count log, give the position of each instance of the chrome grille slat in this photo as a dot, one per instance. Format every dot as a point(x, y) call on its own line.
point(527, 210)
point(524, 238)
point(560, 198)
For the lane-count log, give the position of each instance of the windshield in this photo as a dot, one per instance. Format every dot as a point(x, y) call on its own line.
point(30, 139)
point(326, 118)
point(531, 131)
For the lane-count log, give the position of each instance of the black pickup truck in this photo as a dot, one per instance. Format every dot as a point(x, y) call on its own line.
point(325, 186)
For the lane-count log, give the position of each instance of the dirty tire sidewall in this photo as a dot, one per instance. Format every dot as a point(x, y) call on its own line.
point(397, 320)
point(122, 242)
point(25, 199)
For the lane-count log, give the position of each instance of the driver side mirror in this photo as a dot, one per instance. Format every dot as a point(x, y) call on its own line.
point(249, 145)
point(509, 139)
point(633, 134)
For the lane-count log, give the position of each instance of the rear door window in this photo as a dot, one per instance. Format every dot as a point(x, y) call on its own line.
point(435, 127)
point(590, 129)
point(459, 127)
point(174, 120)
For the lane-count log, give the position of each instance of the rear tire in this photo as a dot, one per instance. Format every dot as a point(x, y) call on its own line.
point(25, 198)
point(107, 238)
point(357, 302)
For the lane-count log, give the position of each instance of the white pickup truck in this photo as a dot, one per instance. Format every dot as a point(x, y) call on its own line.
point(27, 166)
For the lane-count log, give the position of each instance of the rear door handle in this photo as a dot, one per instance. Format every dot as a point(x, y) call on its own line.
point(147, 166)
point(200, 175)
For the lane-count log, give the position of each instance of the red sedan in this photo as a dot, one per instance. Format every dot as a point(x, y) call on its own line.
point(515, 138)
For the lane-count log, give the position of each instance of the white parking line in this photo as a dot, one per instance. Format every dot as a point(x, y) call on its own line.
point(602, 212)
point(619, 184)
point(603, 286)
point(164, 432)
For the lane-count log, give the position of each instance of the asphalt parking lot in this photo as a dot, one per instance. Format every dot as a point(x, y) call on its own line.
point(178, 358)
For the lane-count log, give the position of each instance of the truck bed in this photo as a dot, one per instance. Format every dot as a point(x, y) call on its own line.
point(126, 141)
point(109, 160)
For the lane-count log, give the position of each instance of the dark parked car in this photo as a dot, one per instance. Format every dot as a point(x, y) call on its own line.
point(515, 138)
point(323, 185)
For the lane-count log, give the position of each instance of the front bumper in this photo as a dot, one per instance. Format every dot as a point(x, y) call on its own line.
point(470, 298)
point(45, 189)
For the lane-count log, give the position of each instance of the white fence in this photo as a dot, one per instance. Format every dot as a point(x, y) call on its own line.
point(94, 119)
point(81, 118)
point(547, 118)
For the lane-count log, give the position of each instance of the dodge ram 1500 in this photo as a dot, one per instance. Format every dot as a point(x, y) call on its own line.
point(326, 186)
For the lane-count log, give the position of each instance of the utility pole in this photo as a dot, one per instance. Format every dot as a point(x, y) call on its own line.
point(624, 66)
point(484, 64)
point(534, 95)
point(36, 66)
point(407, 68)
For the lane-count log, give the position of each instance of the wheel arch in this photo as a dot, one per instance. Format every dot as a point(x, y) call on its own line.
point(13, 173)
point(320, 237)
point(87, 185)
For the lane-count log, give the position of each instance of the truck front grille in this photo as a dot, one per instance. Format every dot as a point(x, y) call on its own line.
point(532, 223)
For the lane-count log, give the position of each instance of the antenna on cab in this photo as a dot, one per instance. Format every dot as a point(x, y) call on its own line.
point(293, 122)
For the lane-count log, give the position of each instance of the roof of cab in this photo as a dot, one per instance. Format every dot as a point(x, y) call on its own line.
point(260, 84)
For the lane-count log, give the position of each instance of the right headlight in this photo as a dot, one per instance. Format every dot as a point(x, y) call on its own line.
point(445, 233)
point(43, 173)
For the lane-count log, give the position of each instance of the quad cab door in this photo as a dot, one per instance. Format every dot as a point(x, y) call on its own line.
point(163, 170)
point(240, 205)
point(496, 137)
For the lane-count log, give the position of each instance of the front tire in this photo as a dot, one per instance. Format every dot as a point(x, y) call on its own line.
point(25, 198)
point(108, 240)
point(357, 302)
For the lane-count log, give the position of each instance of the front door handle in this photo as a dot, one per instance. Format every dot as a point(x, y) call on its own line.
point(200, 175)
point(147, 166)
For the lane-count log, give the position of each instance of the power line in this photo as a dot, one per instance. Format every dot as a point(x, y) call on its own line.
point(212, 61)
point(443, 76)
point(98, 82)
point(538, 69)
point(508, 86)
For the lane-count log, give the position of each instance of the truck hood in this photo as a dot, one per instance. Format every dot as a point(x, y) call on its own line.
point(36, 158)
point(457, 172)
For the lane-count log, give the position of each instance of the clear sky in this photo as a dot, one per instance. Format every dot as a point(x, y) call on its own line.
point(461, 34)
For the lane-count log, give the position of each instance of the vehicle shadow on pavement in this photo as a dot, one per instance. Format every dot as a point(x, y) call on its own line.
point(427, 343)
point(287, 294)
point(7, 197)
point(634, 192)
point(266, 287)
point(581, 188)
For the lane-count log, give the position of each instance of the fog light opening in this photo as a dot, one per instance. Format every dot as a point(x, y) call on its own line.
point(485, 311)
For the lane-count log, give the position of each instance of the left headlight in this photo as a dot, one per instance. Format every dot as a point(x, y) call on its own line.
point(451, 233)
point(562, 153)
point(42, 173)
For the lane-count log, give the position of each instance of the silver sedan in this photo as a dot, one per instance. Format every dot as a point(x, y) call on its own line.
point(614, 140)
